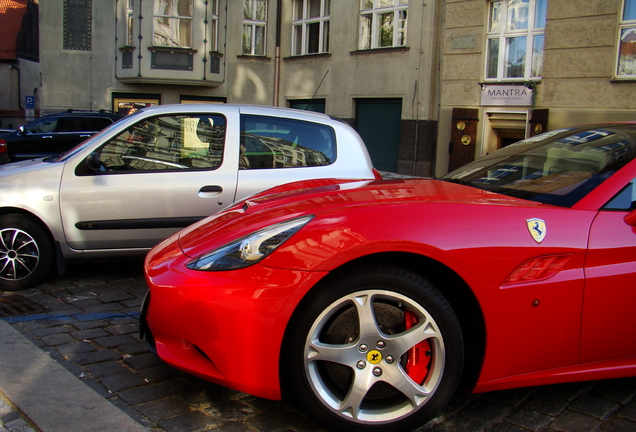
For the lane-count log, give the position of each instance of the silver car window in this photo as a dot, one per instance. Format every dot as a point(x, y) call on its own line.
point(274, 142)
point(172, 142)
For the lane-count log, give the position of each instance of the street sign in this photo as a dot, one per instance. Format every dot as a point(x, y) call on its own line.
point(29, 101)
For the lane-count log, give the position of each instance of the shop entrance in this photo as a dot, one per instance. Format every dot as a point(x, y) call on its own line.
point(509, 136)
point(507, 127)
point(504, 128)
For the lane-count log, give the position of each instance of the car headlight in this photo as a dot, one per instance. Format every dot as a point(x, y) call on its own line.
point(250, 249)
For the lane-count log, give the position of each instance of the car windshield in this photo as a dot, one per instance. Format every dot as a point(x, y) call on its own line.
point(558, 167)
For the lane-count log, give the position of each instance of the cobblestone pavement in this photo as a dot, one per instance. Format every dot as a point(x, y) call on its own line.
point(90, 325)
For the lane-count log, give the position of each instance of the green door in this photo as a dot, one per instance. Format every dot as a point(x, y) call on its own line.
point(378, 122)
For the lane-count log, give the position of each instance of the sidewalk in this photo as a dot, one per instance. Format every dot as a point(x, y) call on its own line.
point(49, 397)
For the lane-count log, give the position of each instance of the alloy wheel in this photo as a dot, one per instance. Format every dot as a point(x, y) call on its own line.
point(374, 357)
point(19, 254)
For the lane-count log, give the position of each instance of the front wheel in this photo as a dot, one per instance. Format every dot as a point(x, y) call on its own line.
point(379, 349)
point(26, 252)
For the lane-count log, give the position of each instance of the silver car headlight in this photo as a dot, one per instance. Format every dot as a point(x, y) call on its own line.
point(250, 249)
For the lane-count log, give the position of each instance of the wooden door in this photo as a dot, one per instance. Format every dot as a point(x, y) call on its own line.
point(463, 137)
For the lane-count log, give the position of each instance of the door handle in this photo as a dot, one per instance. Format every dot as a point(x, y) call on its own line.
point(85, 135)
point(47, 136)
point(211, 192)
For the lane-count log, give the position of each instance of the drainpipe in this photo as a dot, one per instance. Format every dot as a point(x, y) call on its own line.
point(277, 53)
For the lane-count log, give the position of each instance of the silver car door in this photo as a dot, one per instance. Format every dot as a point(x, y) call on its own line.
point(158, 176)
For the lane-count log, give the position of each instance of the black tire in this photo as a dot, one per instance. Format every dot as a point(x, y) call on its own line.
point(26, 252)
point(328, 353)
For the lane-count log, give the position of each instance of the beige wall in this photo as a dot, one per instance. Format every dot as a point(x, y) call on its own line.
point(409, 74)
point(78, 79)
point(75, 79)
point(86, 79)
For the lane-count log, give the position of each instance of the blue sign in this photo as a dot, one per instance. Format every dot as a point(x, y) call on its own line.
point(29, 102)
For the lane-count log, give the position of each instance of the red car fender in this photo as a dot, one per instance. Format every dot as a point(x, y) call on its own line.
point(513, 312)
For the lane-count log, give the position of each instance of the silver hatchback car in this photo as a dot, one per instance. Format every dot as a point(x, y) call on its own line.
point(154, 172)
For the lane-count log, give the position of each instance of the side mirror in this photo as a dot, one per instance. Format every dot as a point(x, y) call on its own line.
point(21, 130)
point(93, 162)
point(630, 218)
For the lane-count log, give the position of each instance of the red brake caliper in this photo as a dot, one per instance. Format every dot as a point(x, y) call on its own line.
point(419, 357)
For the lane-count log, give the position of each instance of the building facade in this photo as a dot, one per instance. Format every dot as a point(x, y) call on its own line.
point(373, 63)
point(430, 85)
point(514, 68)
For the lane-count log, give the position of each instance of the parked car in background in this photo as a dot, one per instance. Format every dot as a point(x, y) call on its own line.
point(54, 133)
point(368, 301)
point(154, 172)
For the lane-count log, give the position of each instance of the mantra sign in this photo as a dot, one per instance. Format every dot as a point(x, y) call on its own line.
point(516, 95)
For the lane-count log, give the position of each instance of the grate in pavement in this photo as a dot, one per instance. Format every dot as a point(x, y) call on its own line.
point(12, 304)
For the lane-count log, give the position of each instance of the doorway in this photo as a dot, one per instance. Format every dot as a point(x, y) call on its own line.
point(503, 128)
point(509, 136)
point(378, 121)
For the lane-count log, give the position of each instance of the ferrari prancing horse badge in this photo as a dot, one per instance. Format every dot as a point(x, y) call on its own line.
point(537, 229)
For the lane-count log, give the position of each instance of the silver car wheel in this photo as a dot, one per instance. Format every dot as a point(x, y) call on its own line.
point(359, 352)
point(19, 254)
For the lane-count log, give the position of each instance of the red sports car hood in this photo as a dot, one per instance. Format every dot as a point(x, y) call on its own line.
point(318, 196)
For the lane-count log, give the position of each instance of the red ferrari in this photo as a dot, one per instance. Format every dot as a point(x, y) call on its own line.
point(369, 302)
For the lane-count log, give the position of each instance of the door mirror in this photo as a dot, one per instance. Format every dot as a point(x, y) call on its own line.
point(630, 218)
point(93, 162)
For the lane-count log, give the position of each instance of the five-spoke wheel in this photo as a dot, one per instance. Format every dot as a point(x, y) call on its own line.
point(381, 349)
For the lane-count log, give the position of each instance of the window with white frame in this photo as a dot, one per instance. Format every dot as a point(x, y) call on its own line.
point(172, 23)
point(214, 25)
point(516, 33)
point(383, 23)
point(254, 27)
point(310, 27)
point(627, 43)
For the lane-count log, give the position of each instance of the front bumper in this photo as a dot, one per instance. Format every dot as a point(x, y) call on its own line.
point(226, 327)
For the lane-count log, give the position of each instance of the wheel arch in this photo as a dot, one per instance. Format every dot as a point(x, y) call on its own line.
point(21, 211)
point(447, 281)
